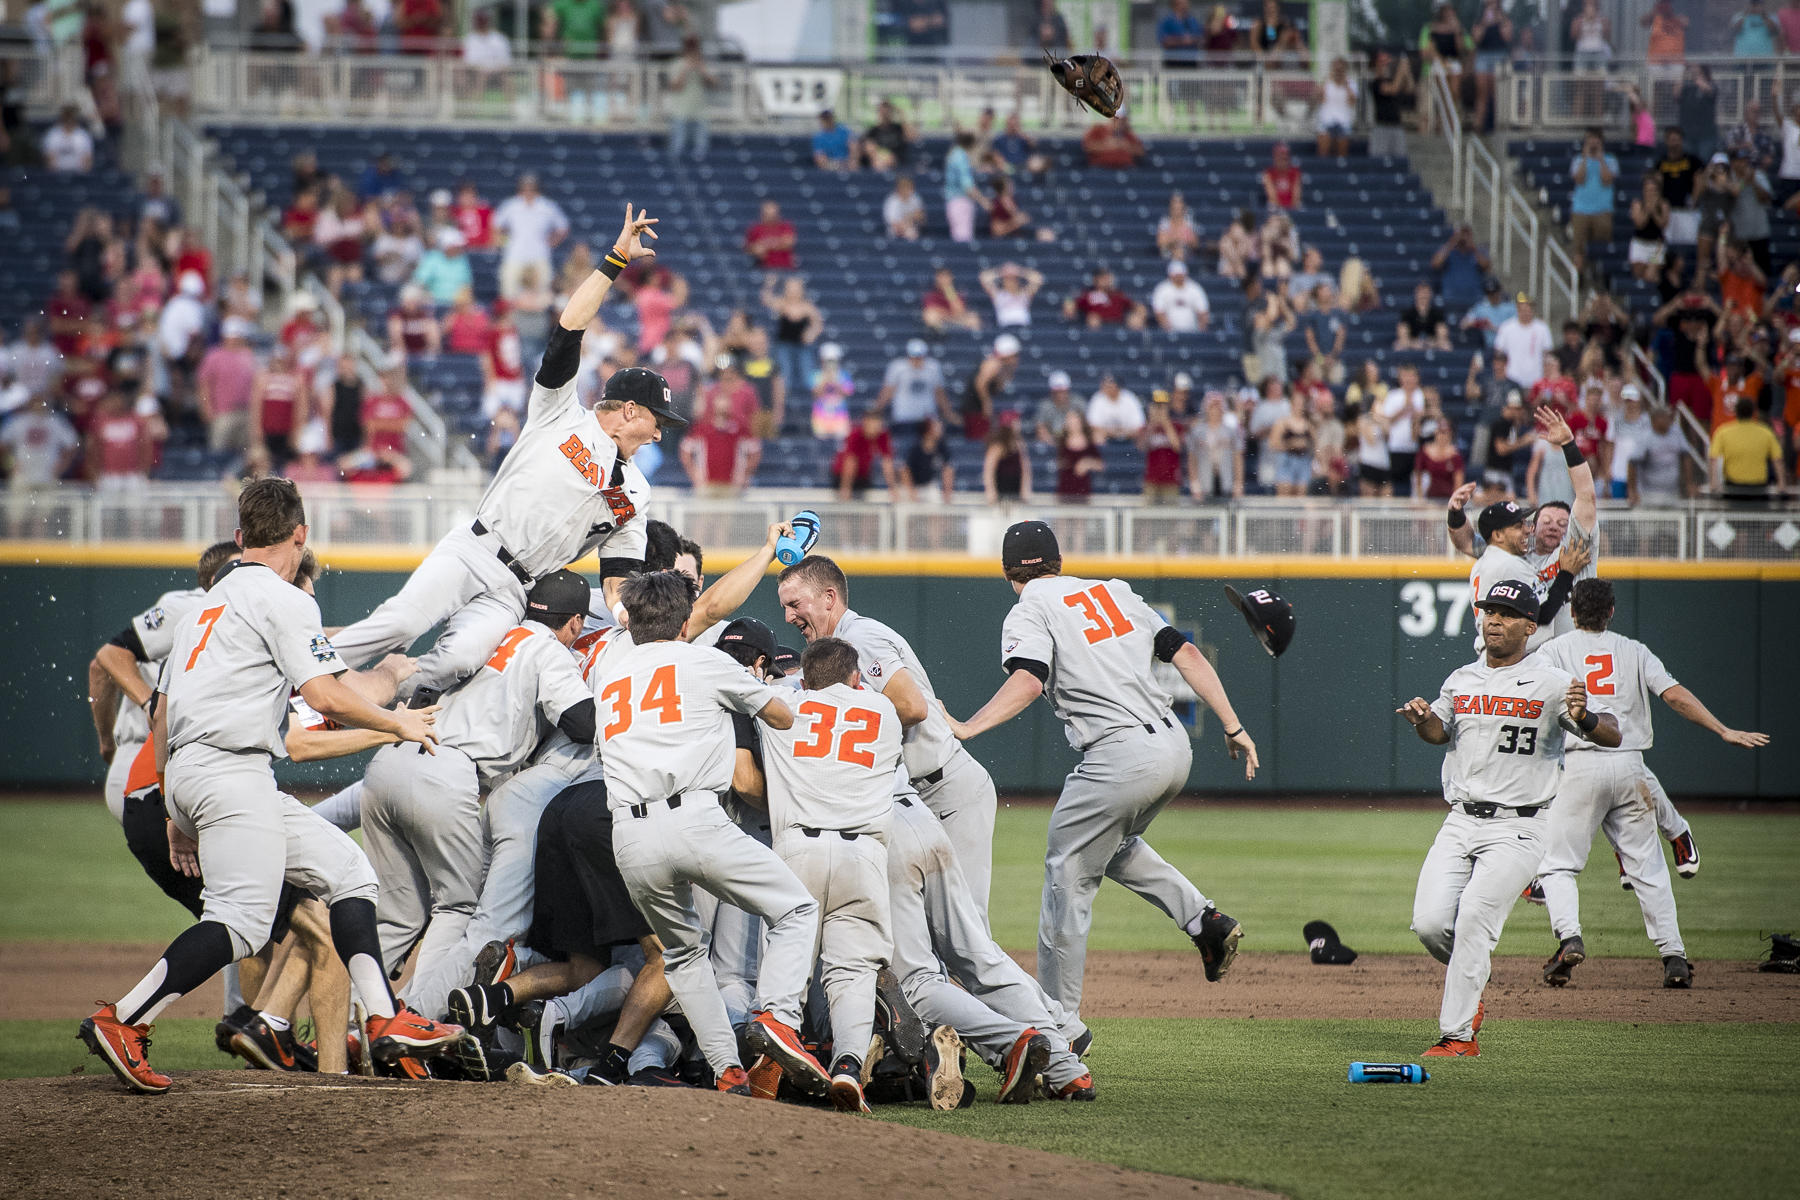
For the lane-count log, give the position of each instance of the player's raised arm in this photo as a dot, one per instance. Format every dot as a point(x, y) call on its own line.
point(584, 303)
point(1689, 706)
point(730, 590)
point(776, 715)
point(1556, 431)
point(1205, 681)
point(1462, 536)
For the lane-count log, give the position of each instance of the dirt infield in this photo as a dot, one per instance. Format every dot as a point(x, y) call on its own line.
point(217, 1134)
point(51, 980)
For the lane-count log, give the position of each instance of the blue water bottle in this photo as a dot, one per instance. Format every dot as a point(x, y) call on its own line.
point(790, 550)
point(1368, 1072)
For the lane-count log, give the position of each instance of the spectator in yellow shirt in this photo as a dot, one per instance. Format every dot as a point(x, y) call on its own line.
point(1747, 454)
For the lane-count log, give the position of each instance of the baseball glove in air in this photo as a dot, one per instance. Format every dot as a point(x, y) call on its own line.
point(1091, 79)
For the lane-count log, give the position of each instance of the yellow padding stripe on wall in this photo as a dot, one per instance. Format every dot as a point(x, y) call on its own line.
point(405, 558)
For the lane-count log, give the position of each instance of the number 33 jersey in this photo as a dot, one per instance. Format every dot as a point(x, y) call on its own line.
point(1620, 674)
point(1507, 726)
point(1099, 639)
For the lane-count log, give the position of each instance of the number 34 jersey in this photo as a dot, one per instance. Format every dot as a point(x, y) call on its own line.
point(1098, 638)
point(1507, 726)
point(1620, 673)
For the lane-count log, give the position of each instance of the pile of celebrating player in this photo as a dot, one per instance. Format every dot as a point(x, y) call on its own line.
point(706, 859)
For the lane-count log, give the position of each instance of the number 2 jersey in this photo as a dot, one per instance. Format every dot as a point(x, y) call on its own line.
point(834, 769)
point(1099, 639)
point(1619, 673)
point(1506, 726)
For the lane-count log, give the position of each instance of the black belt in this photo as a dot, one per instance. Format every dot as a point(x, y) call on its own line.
point(1485, 811)
point(925, 781)
point(847, 836)
point(505, 557)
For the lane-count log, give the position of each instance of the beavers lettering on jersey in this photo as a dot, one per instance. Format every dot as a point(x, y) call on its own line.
point(578, 455)
point(1500, 706)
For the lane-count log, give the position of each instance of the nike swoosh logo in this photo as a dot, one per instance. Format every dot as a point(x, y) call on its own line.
point(1522, 682)
point(946, 816)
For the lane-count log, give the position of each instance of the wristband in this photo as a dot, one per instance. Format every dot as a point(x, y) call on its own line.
point(1589, 722)
point(1572, 455)
point(1234, 733)
point(612, 264)
point(1457, 518)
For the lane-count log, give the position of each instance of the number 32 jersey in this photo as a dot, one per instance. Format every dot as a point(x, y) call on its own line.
point(1099, 639)
point(835, 768)
point(1506, 726)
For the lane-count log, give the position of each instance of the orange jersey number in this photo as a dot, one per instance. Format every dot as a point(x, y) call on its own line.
point(661, 697)
point(861, 727)
point(1093, 603)
point(1599, 677)
point(209, 618)
point(508, 646)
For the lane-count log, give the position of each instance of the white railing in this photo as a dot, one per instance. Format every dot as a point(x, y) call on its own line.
point(418, 514)
point(1561, 282)
point(1483, 183)
point(1446, 113)
point(1518, 219)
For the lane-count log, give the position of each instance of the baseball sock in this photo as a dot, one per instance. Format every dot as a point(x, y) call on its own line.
point(191, 959)
point(353, 935)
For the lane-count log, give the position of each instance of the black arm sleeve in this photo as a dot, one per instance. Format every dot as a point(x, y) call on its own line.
point(1169, 641)
point(620, 568)
point(1559, 593)
point(562, 356)
point(743, 728)
point(578, 722)
point(129, 640)
point(1041, 670)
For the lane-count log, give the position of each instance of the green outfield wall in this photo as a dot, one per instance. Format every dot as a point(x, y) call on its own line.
point(1323, 715)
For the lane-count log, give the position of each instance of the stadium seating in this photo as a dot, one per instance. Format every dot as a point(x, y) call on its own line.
point(47, 203)
point(869, 286)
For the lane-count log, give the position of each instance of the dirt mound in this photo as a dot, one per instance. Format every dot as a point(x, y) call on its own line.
point(217, 1134)
point(1277, 986)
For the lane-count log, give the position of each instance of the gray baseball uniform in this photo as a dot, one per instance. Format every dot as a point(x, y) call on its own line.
point(231, 665)
point(947, 777)
point(1537, 572)
point(1097, 638)
point(421, 813)
point(155, 629)
point(664, 710)
point(1610, 789)
point(831, 792)
point(1507, 728)
point(562, 492)
point(940, 936)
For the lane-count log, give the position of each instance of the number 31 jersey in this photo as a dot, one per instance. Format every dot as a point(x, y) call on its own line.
point(1099, 639)
point(1620, 674)
point(1507, 726)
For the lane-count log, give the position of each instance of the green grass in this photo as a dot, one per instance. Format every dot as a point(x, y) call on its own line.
point(65, 875)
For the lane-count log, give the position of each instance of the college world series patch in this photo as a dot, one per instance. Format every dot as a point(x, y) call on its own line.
point(322, 649)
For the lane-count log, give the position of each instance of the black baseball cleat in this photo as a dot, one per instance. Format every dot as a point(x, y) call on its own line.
point(232, 1024)
point(656, 1077)
point(901, 1027)
point(261, 1045)
point(496, 963)
point(483, 1061)
point(540, 1035)
point(846, 1085)
point(479, 1007)
point(1687, 859)
point(1217, 942)
point(1083, 1044)
point(1534, 892)
point(944, 1081)
point(1678, 972)
point(1022, 1066)
point(1562, 964)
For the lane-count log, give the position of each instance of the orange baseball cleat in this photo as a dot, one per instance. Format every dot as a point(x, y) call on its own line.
point(406, 1033)
point(126, 1049)
point(1451, 1048)
point(766, 1035)
point(734, 1082)
point(765, 1078)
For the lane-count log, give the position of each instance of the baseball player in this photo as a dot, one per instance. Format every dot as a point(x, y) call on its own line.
point(421, 817)
point(1504, 718)
point(224, 687)
point(830, 781)
point(1090, 645)
point(815, 599)
point(567, 487)
point(668, 754)
point(1612, 789)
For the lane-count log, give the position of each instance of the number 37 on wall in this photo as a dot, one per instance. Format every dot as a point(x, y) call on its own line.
point(1419, 603)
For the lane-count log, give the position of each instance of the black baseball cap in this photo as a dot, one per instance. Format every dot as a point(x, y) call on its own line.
point(561, 593)
point(646, 389)
point(1270, 617)
point(1503, 515)
point(1325, 945)
point(1029, 543)
point(748, 639)
point(1509, 595)
point(787, 659)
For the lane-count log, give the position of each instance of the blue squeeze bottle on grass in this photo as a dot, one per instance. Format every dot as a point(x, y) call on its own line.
point(1368, 1072)
point(790, 550)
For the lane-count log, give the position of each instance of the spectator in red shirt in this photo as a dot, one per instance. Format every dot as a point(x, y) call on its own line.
point(1112, 144)
point(226, 376)
point(280, 405)
point(855, 463)
point(1281, 180)
point(190, 255)
point(1160, 440)
point(1104, 304)
point(304, 334)
point(474, 217)
point(466, 327)
point(67, 310)
point(713, 453)
point(413, 329)
point(419, 22)
point(84, 385)
point(298, 221)
point(118, 447)
point(943, 305)
point(503, 365)
point(771, 240)
point(1438, 470)
point(375, 466)
point(1593, 433)
point(386, 414)
point(1555, 388)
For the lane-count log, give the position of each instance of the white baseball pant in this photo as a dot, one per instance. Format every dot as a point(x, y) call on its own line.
point(1610, 790)
point(1096, 832)
point(936, 928)
point(117, 772)
point(849, 881)
point(735, 937)
point(343, 809)
point(252, 836)
point(461, 582)
point(1671, 823)
point(421, 823)
point(1472, 874)
point(662, 857)
point(965, 801)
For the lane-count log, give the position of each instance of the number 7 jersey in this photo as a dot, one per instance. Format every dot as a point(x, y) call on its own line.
point(1098, 639)
point(1506, 726)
